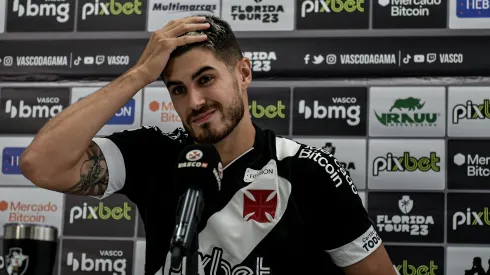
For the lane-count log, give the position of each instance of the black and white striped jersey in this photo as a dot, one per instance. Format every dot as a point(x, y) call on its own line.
point(284, 207)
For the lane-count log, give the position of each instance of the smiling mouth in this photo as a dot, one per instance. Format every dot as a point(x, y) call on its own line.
point(204, 116)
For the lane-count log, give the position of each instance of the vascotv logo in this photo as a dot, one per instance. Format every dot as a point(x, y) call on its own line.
point(406, 163)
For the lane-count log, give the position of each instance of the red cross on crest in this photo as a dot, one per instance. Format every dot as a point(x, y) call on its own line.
point(262, 206)
point(193, 155)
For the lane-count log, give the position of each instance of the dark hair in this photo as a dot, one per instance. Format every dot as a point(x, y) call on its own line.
point(220, 40)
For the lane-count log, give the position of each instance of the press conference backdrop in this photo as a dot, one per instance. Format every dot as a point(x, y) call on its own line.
point(397, 90)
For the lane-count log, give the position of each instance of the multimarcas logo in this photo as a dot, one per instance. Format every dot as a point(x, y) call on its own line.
point(92, 217)
point(329, 111)
point(468, 218)
point(26, 110)
point(129, 14)
point(408, 217)
point(98, 257)
point(41, 15)
point(417, 260)
point(469, 164)
point(270, 108)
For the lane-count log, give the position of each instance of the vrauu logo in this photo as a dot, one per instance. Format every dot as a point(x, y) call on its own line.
point(109, 261)
point(11, 160)
point(100, 212)
point(402, 118)
point(125, 116)
point(40, 110)
point(60, 10)
point(168, 113)
point(350, 113)
point(111, 7)
point(27, 213)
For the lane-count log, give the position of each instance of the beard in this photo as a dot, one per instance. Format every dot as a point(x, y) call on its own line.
point(231, 117)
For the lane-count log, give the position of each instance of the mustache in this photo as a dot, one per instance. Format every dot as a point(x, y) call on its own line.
point(196, 112)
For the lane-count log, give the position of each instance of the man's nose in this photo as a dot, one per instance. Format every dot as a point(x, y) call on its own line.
point(196, 98)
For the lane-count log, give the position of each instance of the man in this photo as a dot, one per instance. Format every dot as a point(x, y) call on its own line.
point(284, 207)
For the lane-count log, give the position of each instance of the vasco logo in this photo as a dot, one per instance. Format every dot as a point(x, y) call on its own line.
point(476, 165)
point(331, 6)
point(261, 61)
point(100, 212)
point(350, 113)
point(109, 261)
point(406, 163)
point(471, 218)
point(16, 262)
point(262, 13)
point(408, 114)
point(412, 224)
point(113, 7)
point(270, 111)
point(61, 11)
point(408, 269)
point(336, 172)
point(471, 111)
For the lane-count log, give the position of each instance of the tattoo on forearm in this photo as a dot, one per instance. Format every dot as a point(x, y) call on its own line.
point(94, 175)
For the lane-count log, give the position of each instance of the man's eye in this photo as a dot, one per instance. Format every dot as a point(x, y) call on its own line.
point(205, 79)
point(178, 90)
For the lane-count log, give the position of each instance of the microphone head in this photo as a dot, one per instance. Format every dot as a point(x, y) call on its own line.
point(199, 166)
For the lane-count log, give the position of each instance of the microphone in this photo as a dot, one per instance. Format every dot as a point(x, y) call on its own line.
point(197, 179)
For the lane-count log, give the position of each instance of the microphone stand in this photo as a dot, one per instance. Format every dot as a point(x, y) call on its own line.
point(187, 260)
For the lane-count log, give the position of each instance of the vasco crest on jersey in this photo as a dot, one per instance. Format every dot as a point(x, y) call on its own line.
point(16, 262)
point(330, 164)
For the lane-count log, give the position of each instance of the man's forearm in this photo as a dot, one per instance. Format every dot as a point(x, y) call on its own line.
point(63, 140)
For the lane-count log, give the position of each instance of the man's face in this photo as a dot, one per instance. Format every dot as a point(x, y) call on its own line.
point(206, 95)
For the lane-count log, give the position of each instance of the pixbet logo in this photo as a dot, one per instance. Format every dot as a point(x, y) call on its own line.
point(408, 269)
point(100, 212)
point(270, 111)
point(60, 11)
point(40, 110)
point(471, 111)
point(471, 218)
point(331, 6)
point(474, 164)
point(112, 7)
point(117, 266)
point(406, 163)
point(350, 113)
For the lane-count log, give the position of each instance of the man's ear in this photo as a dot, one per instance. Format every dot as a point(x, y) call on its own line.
point(245, 72)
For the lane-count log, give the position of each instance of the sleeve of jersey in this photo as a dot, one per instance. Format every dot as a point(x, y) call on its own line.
point(125, 154)
point(338, 216)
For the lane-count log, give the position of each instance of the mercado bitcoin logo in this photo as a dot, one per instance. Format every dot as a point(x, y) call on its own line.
point(91, 217)
point(405, 164)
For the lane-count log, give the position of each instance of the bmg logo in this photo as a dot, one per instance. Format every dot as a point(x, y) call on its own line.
point(60, 11)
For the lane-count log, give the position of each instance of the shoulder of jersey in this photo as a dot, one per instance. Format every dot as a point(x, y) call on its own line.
point(178, 135)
